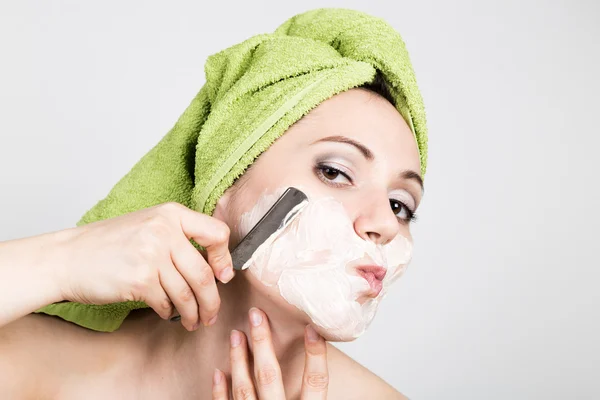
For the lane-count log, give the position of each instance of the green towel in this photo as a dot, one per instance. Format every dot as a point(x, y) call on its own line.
point(254, 91)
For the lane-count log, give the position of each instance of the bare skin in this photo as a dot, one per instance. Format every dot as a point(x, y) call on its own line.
point(150, 357)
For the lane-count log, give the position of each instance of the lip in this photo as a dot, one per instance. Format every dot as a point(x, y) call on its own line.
point(374, 275)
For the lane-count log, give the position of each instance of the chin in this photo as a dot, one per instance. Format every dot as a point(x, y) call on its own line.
point(349, 321)
point(329, 308)
point(340, 335)
point(341, 321)
point(336, 338)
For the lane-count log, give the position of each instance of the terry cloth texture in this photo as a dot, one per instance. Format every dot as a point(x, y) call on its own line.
point(254, 91)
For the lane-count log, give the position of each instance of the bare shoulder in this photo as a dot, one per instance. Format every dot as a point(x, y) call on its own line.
point(29, 334)
point(350, 380)
point(26, 355)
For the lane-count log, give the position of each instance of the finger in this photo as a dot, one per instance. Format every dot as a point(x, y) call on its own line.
point(181, 295)
point(200, 277)
point(158, 300)
point(266, 367)
point(219, 389)
point(315, 379)
point(241, 381)
point(213, 235)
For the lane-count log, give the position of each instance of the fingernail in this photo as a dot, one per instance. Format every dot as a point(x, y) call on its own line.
point(236, 338)
point(227, 275)
point(212, 320)
point(255, 317)
point(217, 377)
point(311, 334)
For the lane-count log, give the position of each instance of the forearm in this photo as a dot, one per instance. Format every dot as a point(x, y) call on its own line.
point(28, 274)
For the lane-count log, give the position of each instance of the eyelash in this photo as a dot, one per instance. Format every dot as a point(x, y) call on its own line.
point(320, 169)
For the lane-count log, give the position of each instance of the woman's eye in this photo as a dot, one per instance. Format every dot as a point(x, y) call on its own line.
point(402, 211)
point(333, 175)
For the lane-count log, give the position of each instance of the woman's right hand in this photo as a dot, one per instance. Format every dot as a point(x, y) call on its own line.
point(147, 256)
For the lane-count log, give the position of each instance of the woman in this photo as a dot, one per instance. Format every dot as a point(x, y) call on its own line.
point(359, 160)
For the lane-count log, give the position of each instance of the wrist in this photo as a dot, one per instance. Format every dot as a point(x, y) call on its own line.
point(54, 262)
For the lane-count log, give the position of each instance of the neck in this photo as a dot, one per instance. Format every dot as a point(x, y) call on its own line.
point(175, 356)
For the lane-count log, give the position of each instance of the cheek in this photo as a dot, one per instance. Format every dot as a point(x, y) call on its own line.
point(273, 293)
point(262, 204)
point(234, 210)
point(398, 253)
point(247, 213)
point(405, 232)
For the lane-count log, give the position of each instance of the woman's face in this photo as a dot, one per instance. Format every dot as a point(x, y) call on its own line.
point(358, 162)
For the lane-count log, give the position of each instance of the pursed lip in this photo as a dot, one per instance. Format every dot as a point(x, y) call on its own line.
point(374, 275)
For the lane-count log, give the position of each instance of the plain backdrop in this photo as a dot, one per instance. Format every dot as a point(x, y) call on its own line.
point(502, 298)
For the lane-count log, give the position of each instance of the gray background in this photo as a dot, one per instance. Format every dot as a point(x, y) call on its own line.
point(501, 300)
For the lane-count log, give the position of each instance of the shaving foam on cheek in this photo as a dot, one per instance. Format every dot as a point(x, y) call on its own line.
point(251, 218)
point(313, 260)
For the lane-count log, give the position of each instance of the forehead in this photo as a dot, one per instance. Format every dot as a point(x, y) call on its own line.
point(364, 116)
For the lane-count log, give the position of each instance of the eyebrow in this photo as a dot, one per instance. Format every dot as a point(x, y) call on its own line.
point(409, 174)
point(368, 154)
point(343, 139)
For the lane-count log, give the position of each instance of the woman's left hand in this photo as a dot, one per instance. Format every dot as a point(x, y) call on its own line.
point(267, 374)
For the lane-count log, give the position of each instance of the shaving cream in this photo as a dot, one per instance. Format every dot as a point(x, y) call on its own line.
point(314, 259)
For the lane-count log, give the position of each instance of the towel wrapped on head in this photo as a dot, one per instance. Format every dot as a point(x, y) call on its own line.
point(254, 92)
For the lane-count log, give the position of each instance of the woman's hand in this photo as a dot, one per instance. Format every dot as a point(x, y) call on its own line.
point(147, 256)
point(265, 382)
point(142, 256)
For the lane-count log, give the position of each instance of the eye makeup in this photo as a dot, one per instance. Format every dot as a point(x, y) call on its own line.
point(332, 175)
point(330, 169)
point(404, 197)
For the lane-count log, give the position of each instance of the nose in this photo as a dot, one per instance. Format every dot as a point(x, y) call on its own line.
point(376, 221)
